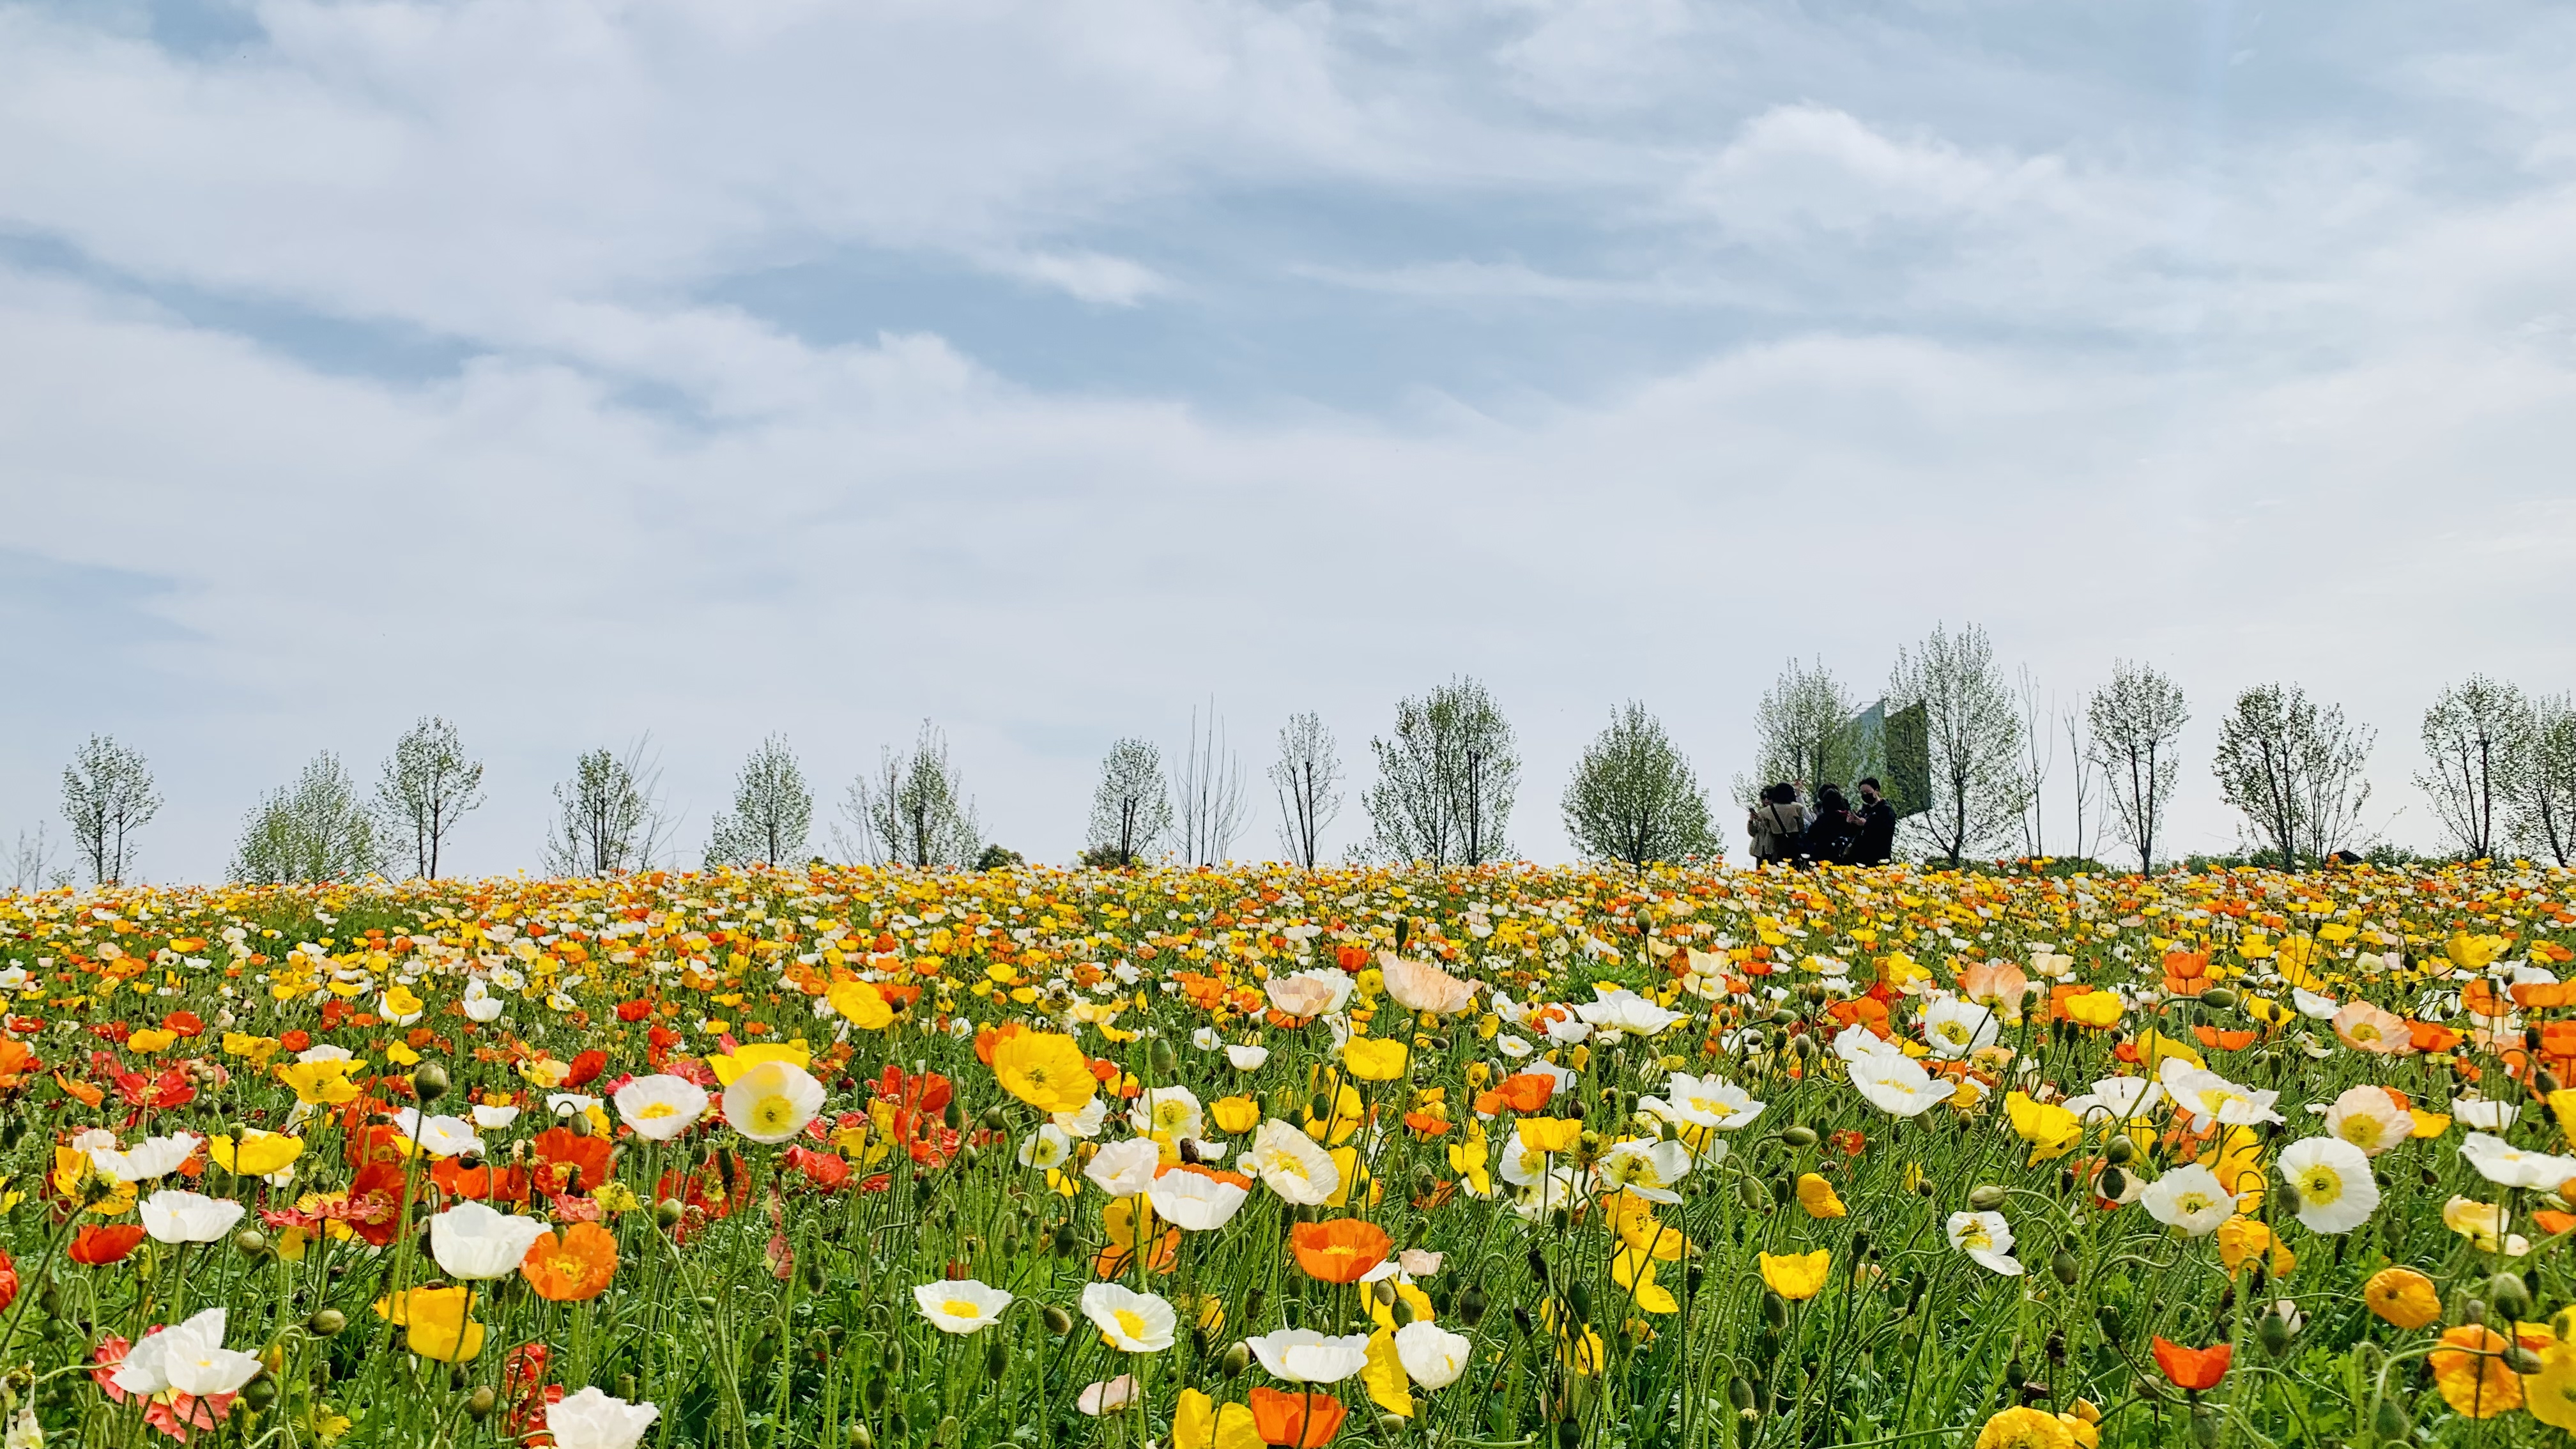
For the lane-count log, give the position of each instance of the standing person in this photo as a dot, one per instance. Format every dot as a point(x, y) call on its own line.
point(1877, 843)
point(1833, 830)
point(1777, 823)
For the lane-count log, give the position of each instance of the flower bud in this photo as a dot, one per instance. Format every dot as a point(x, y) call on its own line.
point(482, 1402)
point(2511, 1299)
point(2121, 1152)
point(1799, 1136)
point(667, 1213)
point(1986, 1197)
point(1058, 1322)
point(251, 1241)
point(428, 1082)
point(327, 1322)
point(1238, 1357)
point(2064, 1265)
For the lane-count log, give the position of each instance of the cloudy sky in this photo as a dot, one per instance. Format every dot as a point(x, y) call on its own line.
point(583, 368)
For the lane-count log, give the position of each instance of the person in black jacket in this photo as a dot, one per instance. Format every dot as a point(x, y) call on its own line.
point(1877, 842)
point(1831, 835)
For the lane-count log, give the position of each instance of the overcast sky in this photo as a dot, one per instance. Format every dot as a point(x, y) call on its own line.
point(582, 368)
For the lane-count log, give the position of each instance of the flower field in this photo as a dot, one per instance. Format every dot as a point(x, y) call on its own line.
point(1497, 1157)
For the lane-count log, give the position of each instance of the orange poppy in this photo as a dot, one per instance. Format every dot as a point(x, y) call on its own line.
point(574, 1268)
point(2193, 1368)
point(1340, 1251)
point(2470, 1370)
point(17, 1063)
point(2427, 1036)
point(2537, 994)
point(993, 1036)
point(1519, 1092)
point(2225, 1041)
point(1304, 1420)
point(82, 1092)
point(1426, 1124)
point(2186, 973)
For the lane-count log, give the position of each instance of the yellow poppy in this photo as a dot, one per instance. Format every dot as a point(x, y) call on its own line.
point(1817, 1196)
point(1374, 1059)
point(1797, 1276)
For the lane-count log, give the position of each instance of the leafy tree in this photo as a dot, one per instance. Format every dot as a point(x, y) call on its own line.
point(1973, 732)
point(2294, 769)
point(2549, 803)
point(772, 811)
point(427, 787)
point(1446, 780)
point(1307, 775)
point(608, 816)
point(1803, 731)
point(1131, 811)
point(1634, 798)
point(2478, 738)
point(2136, 720)
point(914, 810)
point(107, 796)
point(999, 857)
point(317, 829)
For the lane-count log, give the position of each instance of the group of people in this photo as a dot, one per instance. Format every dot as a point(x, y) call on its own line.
point(1788, 829)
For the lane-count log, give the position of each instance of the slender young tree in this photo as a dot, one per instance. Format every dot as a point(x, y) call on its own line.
point(1446, 779)
point(2294, 768)
point(2137, 720)
point(31, 862)
point(317, 829)
point(2549, 800)
point(1308, 776)
point(428, 786)
point(2088, 786)
point(1131, 811)
point(1208, 784)
point(772, 811)
point(2039, 758)
point(609, 817)
point(914, 810)
point(107, 797)
point(1972, 727)
point(1634, 799)
point(2477, 738)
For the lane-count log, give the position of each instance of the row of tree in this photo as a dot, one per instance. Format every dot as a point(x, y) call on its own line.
point(2500, 773)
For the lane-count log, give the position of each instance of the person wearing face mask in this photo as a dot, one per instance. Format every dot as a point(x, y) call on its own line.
point(1876, 844)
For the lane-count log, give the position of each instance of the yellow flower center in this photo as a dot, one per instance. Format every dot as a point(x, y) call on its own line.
point(2320, 1185)
point(773, 1113)
point(658, 1109)
point(1130, 1324)
point(961, 1308)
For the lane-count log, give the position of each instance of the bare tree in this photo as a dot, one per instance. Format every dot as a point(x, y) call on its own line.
point(1208, 784)
point(609, 817)
point(772, 811)
point(2477, 737)
point(1634, 799)
point(31, 862)
point(914, 810)
point(317, 829)
point(2137, 719)
point(2548, 817)
point(1973, 730)
point(2294, 769)
point(1802, 726)
point(2089, 805)
point(1307, 775)
point(1446, 780)
point(107, 796)
point(1131, 811)
point(2039, 756)
point(427, 787)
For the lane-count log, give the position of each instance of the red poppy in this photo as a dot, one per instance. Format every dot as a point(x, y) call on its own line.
point(1519, 1092)
point(373, 1209)
point(634, 1011)
point(104, 1243)
point(185, 1023)
point(8, 1280)
point(480, 1184)
point(824, 1169)
point(296, 1041)
point(1304, 1420)
point(585, 1069)
point(2193, 1368)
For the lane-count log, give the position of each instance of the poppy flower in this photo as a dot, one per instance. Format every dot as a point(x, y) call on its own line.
point(574, 1267)
point(2403, 1297)
point(1303, 1420)
point(1340, 1251)
point(2194, 1369)
point(2470, 1370)
point(1797, 1276)
point(106, 1243)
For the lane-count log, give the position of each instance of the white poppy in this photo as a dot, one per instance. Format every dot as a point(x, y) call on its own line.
point(1292, 1164)
point(1898, 1085)
point(1124, 1169)
point(1135, 1322)
point(1953, 1028)
point(2332, 1183)
point(1986, 1238)
point(1107, 1396)
point(189, 1358)
point(1244, 1057)
point(772, 1101)
point(145, 1160)
point(1648, 1169)
point(1303, 1356)
point(1194, 1201)
point(472, 1241)
point(2190, 1198)
point(2506, 1165)
point(961, 1305)
point(661, 1107)
point(2370, 1119)
point(493, 1119)
point(594, 1420)
point(1432, 1356)
point(1166, 1111)
point(174, 1216)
